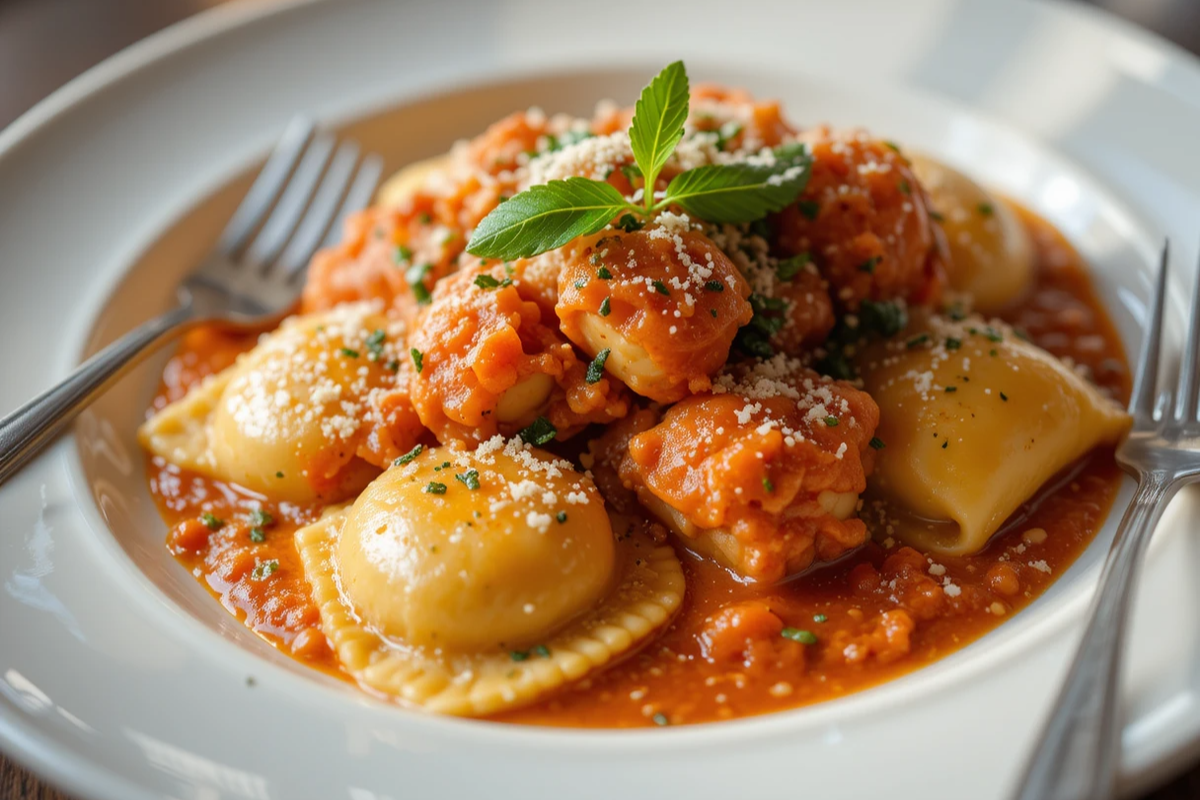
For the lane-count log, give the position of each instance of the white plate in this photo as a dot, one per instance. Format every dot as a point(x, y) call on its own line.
point(121, 678)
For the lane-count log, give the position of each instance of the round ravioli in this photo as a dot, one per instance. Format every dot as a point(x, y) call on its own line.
point(291, 417)
point(472, 582)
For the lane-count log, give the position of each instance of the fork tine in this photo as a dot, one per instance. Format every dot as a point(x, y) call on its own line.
point(267, 185)
point(1143, 398)
point(1189, 379)
point(359, 196)
point(324, 207)
point(291, 205)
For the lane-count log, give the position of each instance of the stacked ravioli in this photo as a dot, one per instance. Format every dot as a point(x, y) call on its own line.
point(463, 581)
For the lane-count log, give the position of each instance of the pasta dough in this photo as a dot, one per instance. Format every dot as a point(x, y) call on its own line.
point(991, 255)
point(973, 420)
point(471, 600)
point(288, 418)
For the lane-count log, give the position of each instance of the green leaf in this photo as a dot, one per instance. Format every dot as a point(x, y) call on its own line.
point(546, 217)
point(736, 193)
point(658, 121)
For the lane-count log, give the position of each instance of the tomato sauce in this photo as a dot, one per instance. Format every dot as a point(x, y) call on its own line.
point(879, 613)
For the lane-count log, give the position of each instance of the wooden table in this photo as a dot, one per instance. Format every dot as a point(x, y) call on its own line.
point(45, 43)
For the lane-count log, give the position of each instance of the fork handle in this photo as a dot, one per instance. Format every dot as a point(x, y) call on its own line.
point(1080, 747)
point(24, 432)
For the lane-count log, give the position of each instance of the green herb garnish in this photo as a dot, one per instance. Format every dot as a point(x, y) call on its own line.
point(409, 456)
point(661, 288)
point(550, 215)
point(265, 569)
point(877, 443)
point(470, 479)
point(539, 432)
point(418, 359)
point(798, 635)
point(791, 267)
point(212, 522)
point(595, 370)
point(605, 307)
point(433, 487)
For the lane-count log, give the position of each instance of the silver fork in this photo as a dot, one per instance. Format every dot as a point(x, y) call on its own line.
point(1080, 746)
point(295, 205)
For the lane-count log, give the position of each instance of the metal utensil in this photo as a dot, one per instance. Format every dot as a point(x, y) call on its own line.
point(1078, 753)
point(251, 279)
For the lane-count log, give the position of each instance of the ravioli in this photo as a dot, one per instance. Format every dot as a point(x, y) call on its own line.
point(290, 418)
point(973, 420)
point(991, 253)
point(471, 582)
point(408, 181)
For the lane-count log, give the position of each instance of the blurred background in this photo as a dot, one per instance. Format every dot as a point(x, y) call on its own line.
point(45, 43)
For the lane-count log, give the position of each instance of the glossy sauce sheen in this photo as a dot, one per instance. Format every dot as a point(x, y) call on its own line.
point(858, 609)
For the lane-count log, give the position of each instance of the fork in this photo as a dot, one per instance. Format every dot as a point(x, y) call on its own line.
point(1079, 750)
point(251, 279)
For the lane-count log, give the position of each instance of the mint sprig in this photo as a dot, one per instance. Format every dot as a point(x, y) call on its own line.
point(549, 216)
point(736, 193)
point(657, 126)
point(546, 217)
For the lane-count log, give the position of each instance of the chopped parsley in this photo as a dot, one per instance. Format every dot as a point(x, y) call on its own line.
point(265, 569)
point(768, 485)
point(261, 519)
point(541, 650)
point(661, 288)
point(798, 635)
point(1004, 397)
point(660, 719)
point(831, 421)
point(470, 479)
point(258, 535)
point(415, 277)
point(418, 359)
point(211, 521)
point(726, 132)
point(869, 265)
point(561, 517)
point(487, 282)
point(885, 318)
point(953, 344)
point(917, 341)
point(629, 223)
point(986, 209)
point(348, 353)
point(820, 618)
point(951, 389)
point(409, 456)
point(606, 307)
point(375, 344)
point(595, 370)
point(519, 655)
point(877, 443)
point(433, 487)
point(603, 274)
point(392, 366)
point(891, 145)
point(402, 254)
point(714, 286)
point(791, 267)
point(539, 432)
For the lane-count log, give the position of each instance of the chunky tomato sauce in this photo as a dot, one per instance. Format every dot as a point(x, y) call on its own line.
point(874, 615)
